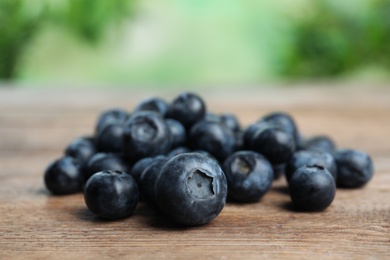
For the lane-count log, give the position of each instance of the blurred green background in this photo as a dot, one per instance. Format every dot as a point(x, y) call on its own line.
point(188, 42)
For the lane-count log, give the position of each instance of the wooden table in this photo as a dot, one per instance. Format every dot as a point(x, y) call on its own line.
point(35, 126)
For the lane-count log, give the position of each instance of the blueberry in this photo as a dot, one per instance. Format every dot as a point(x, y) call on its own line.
point(212, 137)
point(111, 194)
point(249, 176)
point(187, 108)
point(105, 161)
point(109, 138)
point(191, 189)
point(230, 121)
point(82, 149)
point(109, 116)
point(178, 132)
point(283, 121)
point(318, 143)
point(312, 188)
point(271, 141)
point(154, 104)
point(310, 158)
point(146, 134)
point(355, 168)
point(148, 178)
point(63, 176)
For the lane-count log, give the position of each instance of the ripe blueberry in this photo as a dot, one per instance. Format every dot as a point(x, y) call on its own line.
point(63, 176)
point(105, 161)
point(191, 189)
point(109, 138)
point(111, 194)
point(146, 134)
point(312, 188)
point(109, 116)
point(283, 121)
point(355, 168)
point(178, 132)
point(82, 149)
point(154, 104)
point(249, 176)
point(148, 178)
point(318, 143)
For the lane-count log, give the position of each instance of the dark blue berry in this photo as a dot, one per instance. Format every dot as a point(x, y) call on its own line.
point(177, 151)
point(212, 137)
point(146, 134)
point(110, 116)
point(355, 168)
point(63, 176)
point(187, 108)
point(312, 188)
point(230, 121)
point(191, 189)
point(111, 194)
point(154, 104)
point(139, 167)
point(249, 176)
point(283, 121)
point(271, 141)
point(310, 158)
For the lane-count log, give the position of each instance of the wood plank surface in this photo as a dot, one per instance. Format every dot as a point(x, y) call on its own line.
point(36, 125)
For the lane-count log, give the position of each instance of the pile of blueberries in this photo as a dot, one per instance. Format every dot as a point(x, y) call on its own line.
point(187, 162)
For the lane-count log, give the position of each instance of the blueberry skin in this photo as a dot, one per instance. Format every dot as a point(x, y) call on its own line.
point(109, 138)
point(111, 194)
point(154, 104)
point(285, 122)
point(302, 158)
point(212, 137)
point(312, 188)
point(249, 176)
point(178, 132)
point(187, 108)
point(191, 189)
point(318, 143)
point(109, 116)
point(82, 149)
point(63, 176)
point(146, 134)
point(355, 168)
point(275, 144)
point(105, 161)
point(148, 179)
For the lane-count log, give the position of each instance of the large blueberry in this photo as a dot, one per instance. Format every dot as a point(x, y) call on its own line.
point(139, 167)
point(274, 143)
point(187, 108)
point(191, 189)
point(111, 194)
point(105, 161)
point(310, 158)
point(355, 168)
point(312, 188)
point(249, 176)
point(154, 104)
point(146, 134)
point(109, 116)
point(212, 137)
point(63, 176)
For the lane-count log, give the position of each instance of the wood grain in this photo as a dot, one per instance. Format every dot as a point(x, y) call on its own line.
point(35, 126)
